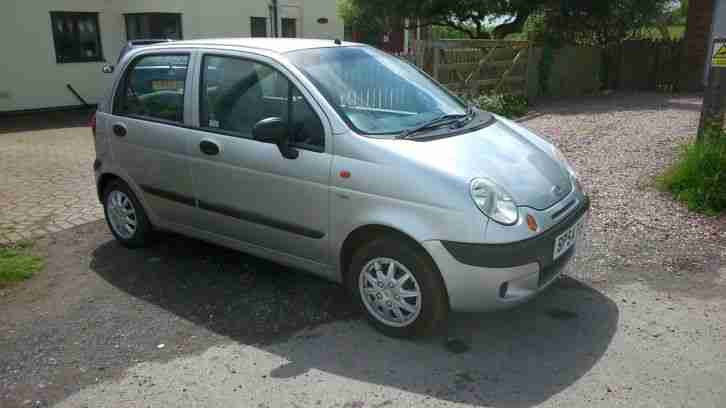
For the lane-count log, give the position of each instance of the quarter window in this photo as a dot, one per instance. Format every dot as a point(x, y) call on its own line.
point(154, 88)
point(237, 93)
point(76, 37)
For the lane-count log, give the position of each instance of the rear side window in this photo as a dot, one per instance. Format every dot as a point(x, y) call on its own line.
point(153, 87)
point(237, 93)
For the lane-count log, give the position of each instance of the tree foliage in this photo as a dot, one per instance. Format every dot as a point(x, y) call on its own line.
point(575, 21)
point(603, 23)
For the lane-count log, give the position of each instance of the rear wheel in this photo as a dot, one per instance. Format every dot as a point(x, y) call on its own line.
point(125, 216)
point(398, 287)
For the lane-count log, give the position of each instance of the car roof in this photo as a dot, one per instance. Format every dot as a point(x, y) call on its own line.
point(278, 45)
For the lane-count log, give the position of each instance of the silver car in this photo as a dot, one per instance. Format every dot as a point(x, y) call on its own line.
point(340, 160)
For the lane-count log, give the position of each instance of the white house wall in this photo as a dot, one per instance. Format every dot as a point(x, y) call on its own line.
point(30, 78)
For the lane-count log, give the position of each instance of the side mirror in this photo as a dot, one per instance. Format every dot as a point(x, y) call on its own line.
point(275, 130)
point(107, 69)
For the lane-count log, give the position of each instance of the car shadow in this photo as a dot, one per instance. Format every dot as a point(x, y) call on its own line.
point(514, 358)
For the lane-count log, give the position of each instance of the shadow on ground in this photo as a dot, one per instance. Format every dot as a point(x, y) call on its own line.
point(619, 102)
point(513, 358)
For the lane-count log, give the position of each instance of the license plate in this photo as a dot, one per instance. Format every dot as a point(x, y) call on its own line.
point(567, 239)
point(165, 85)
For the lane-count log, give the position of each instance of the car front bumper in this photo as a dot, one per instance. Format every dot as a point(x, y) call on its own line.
point(481, 277)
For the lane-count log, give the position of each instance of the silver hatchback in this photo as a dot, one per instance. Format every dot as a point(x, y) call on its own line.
point(340, 160)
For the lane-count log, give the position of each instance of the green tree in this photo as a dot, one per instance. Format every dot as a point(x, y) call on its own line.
point(578, 21)
point(603, 23)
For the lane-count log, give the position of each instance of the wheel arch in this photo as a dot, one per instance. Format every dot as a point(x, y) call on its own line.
point(108, 177)
point(369, 232)
point(103, 182)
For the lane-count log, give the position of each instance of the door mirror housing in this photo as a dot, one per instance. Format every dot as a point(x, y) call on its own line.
point(275, 130)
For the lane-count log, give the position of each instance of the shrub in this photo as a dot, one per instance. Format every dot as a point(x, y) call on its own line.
point(507, 105)
point(698, 178)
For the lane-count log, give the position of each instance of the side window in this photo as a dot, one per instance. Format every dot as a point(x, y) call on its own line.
point(154, 87)
point(237, 93)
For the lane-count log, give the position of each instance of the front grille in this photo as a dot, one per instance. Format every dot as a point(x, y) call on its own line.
point(563, 210)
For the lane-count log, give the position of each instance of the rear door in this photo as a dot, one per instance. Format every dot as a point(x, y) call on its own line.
point(147, 135)
point(245, 188)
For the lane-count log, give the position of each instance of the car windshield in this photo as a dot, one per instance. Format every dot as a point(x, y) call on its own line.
point(374, 92)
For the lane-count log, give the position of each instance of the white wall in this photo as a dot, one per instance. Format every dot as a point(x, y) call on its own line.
point(30, 78)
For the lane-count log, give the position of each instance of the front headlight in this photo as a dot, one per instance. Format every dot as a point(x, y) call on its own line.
point(494, 201)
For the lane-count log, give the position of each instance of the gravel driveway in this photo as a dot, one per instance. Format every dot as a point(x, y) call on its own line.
point(619, 144)
point(190, 324)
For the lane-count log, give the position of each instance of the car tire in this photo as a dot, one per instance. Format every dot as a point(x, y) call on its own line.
point(425, 314)
point(125, 216)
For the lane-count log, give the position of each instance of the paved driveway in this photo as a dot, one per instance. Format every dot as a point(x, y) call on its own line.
point(46, 175)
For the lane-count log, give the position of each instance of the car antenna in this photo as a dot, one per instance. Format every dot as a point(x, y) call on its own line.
point(337, 41)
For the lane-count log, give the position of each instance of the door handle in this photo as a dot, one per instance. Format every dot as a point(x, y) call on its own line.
point(209, 147)
point(119, 130)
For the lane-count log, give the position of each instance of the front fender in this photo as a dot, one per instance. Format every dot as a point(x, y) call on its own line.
point(351, 210)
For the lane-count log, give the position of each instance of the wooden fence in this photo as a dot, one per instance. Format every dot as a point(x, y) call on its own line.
point(471, 67)
point(648, 65)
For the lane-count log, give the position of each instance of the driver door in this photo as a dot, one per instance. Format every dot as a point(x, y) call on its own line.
point(246, 189)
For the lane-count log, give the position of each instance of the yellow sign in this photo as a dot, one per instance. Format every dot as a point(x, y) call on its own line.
point(719, 55)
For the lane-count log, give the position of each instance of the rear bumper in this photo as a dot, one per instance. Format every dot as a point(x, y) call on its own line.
point(481, 277)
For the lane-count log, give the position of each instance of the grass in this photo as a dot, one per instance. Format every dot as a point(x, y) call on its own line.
point(676, 32)
point(698, 178)
point(17, 263)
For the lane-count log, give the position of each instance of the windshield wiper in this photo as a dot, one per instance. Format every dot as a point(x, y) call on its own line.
point(433, 123)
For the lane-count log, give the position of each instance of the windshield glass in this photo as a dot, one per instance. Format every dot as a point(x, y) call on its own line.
point(374, 92)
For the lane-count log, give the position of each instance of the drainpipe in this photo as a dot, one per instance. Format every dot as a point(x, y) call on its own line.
point(274, 18)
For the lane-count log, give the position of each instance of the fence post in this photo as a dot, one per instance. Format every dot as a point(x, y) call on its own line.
point(526, 70)
point(712, 110)
point(437, 62)
point(420, 49)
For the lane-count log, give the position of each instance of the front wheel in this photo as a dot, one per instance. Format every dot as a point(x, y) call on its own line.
point(398, 287)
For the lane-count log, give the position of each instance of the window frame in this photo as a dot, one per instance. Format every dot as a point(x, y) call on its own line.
point(76, 16)
point(121, 88)
point(178, 15)
point(201, 95)
point(252, 19)
point(284, 20)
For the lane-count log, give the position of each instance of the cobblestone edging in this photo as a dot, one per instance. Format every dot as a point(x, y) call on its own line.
point(46, 182)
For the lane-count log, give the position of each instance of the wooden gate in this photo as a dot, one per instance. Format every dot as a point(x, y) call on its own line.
point(472, 67)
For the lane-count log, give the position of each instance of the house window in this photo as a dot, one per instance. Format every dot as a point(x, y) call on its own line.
point(76, 37)
point(258, 26)
point(289, 27)
point(145, 26)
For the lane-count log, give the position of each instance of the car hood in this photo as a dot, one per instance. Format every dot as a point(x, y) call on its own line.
point(505, 153)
